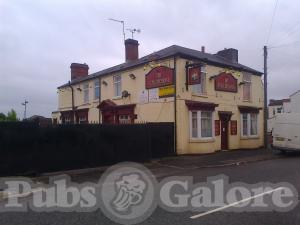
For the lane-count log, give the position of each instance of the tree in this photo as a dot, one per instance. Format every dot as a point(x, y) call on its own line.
point(2, 117)
point(12, 116)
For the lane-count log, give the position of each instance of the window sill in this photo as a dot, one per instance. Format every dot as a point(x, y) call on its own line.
point(244, 100)
point(202, 140)
point(117, 97)
point(200, 95)
point(250, 137)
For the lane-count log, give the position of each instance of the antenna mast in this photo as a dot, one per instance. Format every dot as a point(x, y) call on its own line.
point(123, 25)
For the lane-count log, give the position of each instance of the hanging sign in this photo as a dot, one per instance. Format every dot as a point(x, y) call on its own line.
point(195, 75)
point(167, 91)
point(159, 77)
point(226, 82)
point(233, 127)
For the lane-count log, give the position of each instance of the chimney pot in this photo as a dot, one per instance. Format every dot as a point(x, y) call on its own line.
point(131, 50)
point(79, 70)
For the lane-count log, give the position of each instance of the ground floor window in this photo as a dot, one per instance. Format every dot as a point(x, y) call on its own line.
point(249, 124)
point(201, 124)
point(124, 119)
point(66, 120)
point(82, 120)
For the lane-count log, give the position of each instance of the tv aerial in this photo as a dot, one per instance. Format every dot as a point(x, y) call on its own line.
point(132, 31)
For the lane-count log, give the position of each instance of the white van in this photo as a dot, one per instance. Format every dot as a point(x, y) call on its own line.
point(286, 132)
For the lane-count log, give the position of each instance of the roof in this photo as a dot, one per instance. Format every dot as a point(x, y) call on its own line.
point(278, 102)
point(173, 50)
point(296, 92)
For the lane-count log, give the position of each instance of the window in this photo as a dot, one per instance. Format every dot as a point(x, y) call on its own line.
point(86, 93)
point(201, 124)
point(253, 124)
point(194, 125)
point(245, 124)
point(67, 120)
point(200, 88)
point(96, 89)
point(117, 85)
point(247, 87)
point(279, 110)
point(249, 124)
point(124, 119)
point(82, 119)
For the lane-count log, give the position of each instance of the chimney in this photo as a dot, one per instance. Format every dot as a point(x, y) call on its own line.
point(230, 54)
point(131, 50)
point(79, 70)
point(203, 49)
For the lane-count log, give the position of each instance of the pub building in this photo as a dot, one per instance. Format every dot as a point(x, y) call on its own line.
point(214, 101)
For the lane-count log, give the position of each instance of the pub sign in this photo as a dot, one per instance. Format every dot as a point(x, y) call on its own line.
point(194, 75)
point(159, 77)
point(226, 82)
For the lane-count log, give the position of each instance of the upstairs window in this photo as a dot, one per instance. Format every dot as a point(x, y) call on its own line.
point(247, 87)
point(117, 86)
point(96, 89)
point(86, 93)
point(200, 88)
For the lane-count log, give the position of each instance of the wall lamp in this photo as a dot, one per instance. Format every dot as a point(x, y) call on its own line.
point(242, 83)
point(213, 77)
point(104, 83)
point(132, 76)
point(79, 89)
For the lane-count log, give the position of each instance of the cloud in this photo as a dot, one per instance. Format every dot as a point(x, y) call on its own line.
point(40, 39)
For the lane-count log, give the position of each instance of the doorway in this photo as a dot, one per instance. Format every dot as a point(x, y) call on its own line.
point(225, 118)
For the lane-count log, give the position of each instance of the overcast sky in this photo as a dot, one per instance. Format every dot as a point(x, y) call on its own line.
point(40, 39)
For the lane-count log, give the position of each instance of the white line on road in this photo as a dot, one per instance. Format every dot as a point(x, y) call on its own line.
point(235, 203)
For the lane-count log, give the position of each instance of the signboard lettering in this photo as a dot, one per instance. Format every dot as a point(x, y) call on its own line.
point(159, 77)
point(167, 91)
point(217, 127)
point(233, 127)
point(225, 82)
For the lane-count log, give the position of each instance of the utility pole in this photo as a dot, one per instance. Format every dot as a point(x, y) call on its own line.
point(25, 107)
point(265, 97)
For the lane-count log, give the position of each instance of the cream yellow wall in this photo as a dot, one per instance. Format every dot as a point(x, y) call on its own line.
point(159, 111)
point(226, 101)
point(163, 109)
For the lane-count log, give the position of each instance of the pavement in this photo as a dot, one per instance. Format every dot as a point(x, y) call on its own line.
point(249, 166)
point(175, 165)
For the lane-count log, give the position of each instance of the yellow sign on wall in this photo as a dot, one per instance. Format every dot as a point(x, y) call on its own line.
point(167, 91)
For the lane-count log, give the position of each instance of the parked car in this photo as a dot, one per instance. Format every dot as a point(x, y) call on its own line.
point(286, 132)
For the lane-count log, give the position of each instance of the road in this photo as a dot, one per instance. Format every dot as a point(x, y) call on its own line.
point(282, 169)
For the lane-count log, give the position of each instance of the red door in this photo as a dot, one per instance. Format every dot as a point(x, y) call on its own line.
point(224, 134)
point(108, 118)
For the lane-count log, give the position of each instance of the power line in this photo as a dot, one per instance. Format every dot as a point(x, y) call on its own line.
point(284, 45)
point(290, 32)
point(272, 21)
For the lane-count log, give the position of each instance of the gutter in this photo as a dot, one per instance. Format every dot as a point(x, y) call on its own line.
point(175, 107)
point(73, 107)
